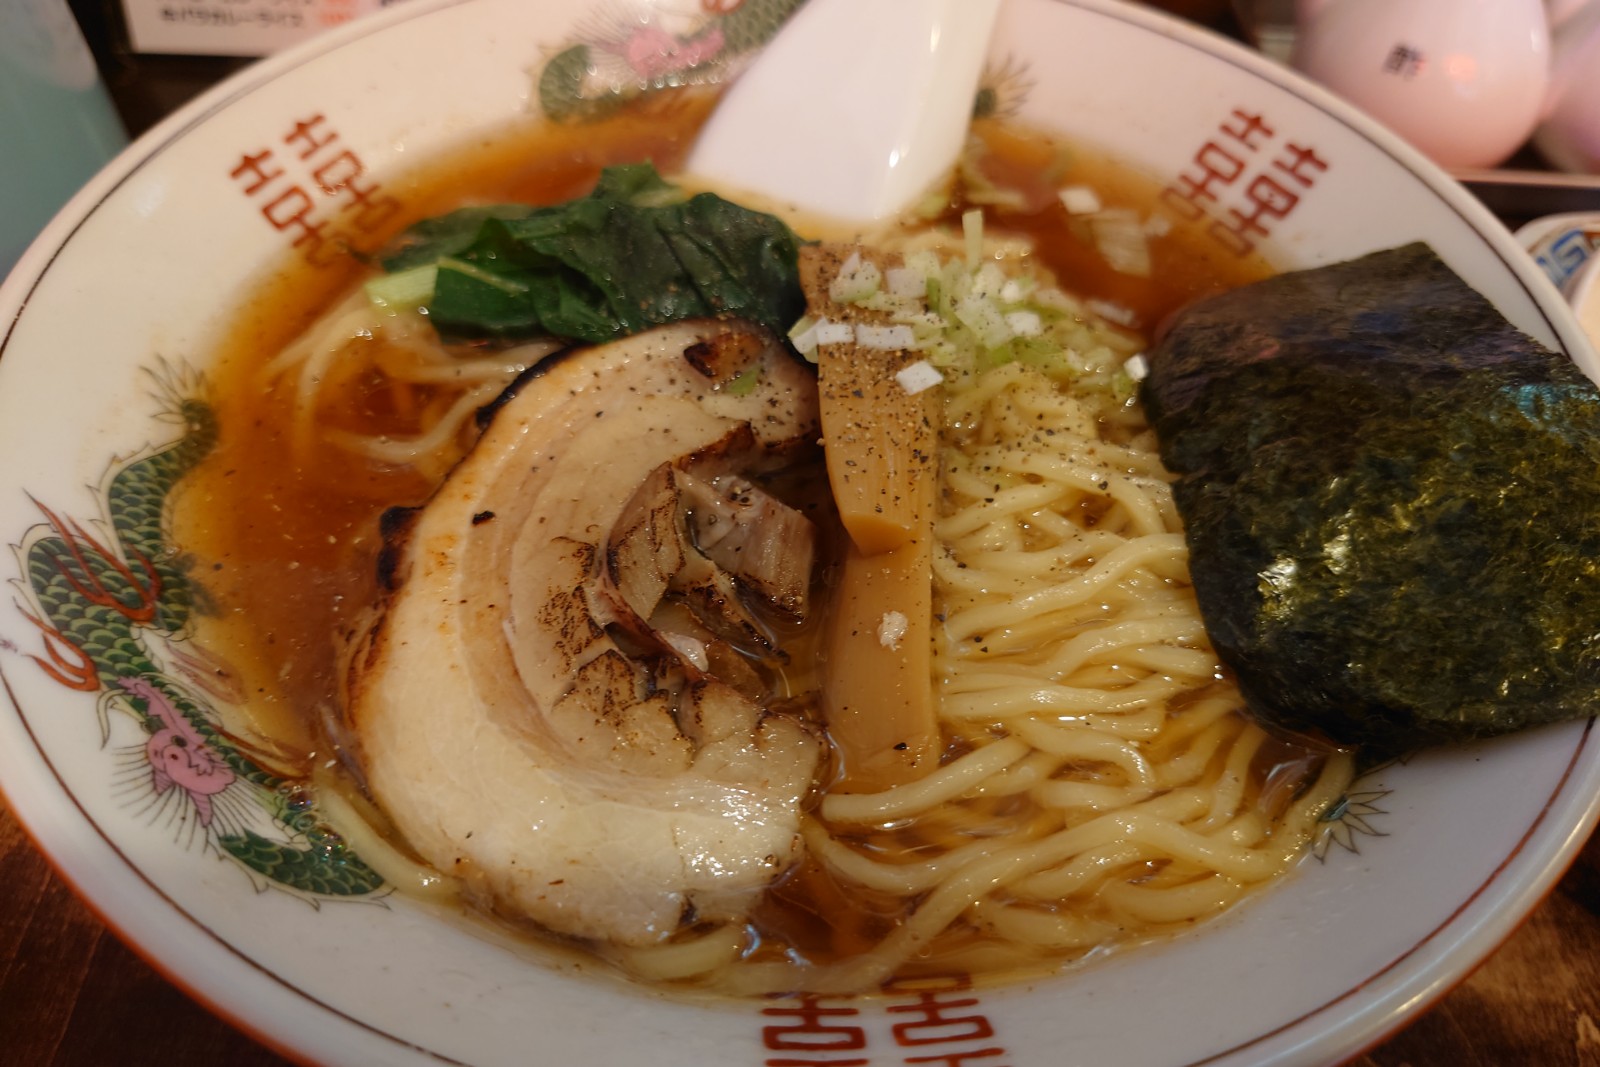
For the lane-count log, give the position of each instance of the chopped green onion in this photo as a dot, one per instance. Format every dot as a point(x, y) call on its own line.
point(885, 337)
point(1079, 199)
point(905, 281)
point(918, 376)
point(857, 280)
point(1025, 323)
point(835, 333)
point(803, 335)
point(1119, 235)
point(404, 290)
point(1117, 313)
point(989, 281)
point(984, 319)
point(925, 262)
point(745, 383)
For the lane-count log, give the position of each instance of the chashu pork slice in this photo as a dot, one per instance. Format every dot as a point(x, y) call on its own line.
point(517, 720)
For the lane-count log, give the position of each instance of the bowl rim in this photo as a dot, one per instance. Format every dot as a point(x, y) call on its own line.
point(140, 919)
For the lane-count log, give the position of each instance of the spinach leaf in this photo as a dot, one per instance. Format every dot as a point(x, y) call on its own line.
point(634, 253)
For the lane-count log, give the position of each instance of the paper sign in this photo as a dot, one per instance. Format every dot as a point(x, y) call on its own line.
point(234, 27)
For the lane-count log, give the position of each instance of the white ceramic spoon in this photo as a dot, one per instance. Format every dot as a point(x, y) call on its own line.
point(873, 98)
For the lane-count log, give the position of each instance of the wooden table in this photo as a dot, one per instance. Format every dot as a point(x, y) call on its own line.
point(72, 995)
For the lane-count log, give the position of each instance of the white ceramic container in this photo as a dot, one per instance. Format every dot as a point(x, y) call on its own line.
point(1426, 868)
point(1463, 80)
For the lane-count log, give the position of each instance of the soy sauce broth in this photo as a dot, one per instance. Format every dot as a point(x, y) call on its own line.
point(285, 544)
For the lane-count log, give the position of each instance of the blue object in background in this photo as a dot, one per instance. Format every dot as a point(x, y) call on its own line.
point(57, 125)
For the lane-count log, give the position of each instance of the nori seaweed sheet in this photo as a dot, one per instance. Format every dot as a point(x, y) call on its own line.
point(1392, 503)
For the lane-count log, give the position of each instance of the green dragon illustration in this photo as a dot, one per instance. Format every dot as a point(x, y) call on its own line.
point(624, 54)
point(100, 607)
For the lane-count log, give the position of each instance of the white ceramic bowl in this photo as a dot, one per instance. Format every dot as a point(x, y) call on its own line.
point(1433, 863)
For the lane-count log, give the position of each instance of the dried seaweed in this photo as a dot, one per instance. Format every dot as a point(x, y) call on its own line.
point(1392, 502)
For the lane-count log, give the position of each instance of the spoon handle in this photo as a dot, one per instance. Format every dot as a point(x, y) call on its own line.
point(872, 99)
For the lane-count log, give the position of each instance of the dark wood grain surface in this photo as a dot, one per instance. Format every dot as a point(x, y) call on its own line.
point(72, 995)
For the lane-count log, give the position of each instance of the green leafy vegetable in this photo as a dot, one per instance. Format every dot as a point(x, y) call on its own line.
point(1392, 502)
point(634, 253)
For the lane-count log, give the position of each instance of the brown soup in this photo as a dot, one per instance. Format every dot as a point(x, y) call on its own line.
point(286, 537)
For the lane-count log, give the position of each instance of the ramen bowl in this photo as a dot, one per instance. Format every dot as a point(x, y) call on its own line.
point(216, 865)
